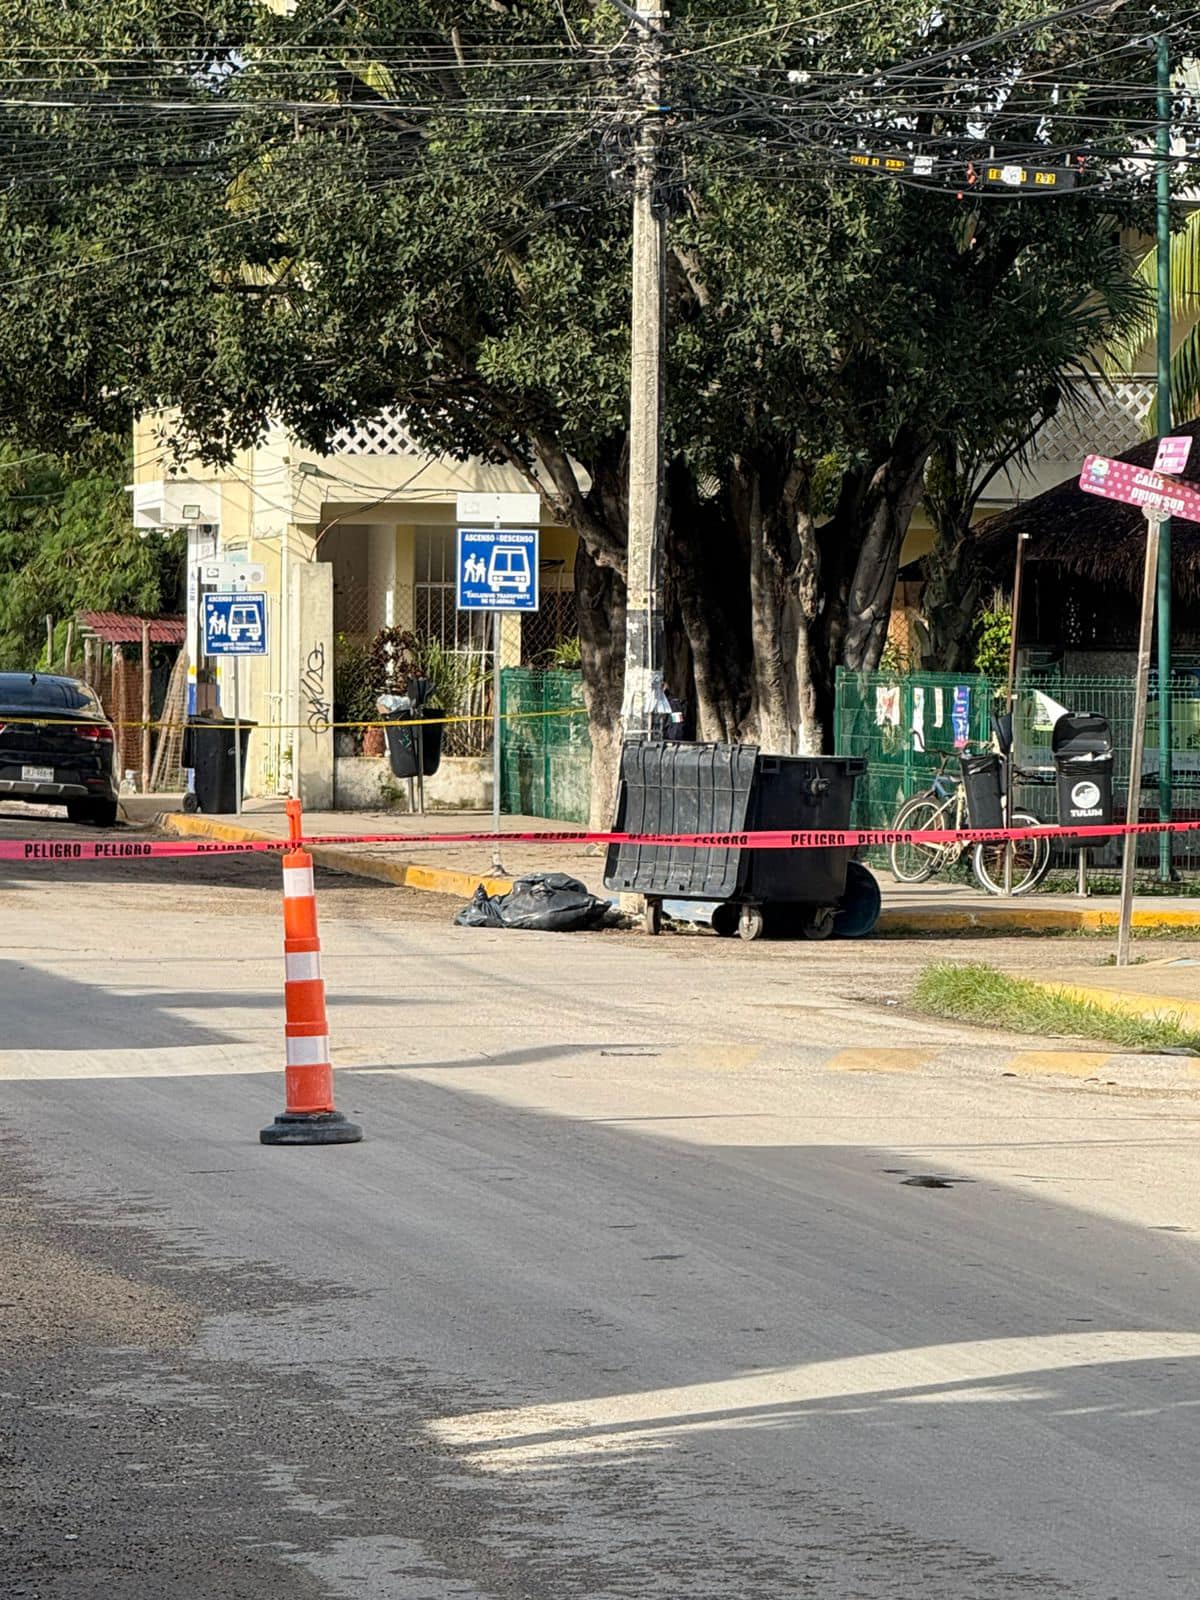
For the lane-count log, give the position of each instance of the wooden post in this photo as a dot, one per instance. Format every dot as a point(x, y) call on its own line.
point(145, 706)
point(67, 648)
point(1009, 700)
point(49, 643)
point(1137, 739)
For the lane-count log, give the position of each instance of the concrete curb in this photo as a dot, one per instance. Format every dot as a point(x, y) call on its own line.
point(1031, 919)
point(447, 881)
point(337, 858)
point(1123, 1003)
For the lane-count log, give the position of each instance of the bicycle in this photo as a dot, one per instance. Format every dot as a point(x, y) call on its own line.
point(943, 807)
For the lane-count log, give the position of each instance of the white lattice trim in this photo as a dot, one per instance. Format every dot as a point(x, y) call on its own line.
point(384, 435)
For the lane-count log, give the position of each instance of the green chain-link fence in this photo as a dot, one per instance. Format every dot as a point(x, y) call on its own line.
point(545, 768)
point(886, 718)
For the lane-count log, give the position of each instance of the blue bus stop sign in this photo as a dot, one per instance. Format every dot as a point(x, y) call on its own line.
point(497, 569)
point(235, 624)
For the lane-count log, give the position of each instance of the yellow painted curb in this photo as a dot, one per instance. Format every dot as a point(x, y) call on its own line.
point(405, 874)
point(1031, 919)
point(1185, 1012)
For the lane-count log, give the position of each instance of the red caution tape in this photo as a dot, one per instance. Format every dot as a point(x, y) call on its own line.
point(776, 839)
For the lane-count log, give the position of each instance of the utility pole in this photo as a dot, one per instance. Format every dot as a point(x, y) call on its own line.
point(1163, 253)
point(644, 702)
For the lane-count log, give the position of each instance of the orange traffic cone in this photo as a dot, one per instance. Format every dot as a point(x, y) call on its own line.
point(309, 1117)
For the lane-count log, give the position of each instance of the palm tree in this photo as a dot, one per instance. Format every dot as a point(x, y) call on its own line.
point(1185, 304)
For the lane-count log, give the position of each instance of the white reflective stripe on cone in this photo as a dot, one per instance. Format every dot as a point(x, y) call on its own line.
point(308, 1052)
point(297, 881)
point(302, 968)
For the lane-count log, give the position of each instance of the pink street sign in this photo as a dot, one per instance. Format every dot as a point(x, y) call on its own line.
point(1173, 452)
point(1138, 486)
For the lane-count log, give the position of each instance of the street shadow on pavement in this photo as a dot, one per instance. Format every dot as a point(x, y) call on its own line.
point(571, 1360)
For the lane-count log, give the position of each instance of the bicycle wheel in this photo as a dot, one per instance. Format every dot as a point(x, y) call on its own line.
point(1031, 860)
point(913, 863)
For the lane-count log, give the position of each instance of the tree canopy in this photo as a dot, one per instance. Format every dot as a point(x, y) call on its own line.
point(66, 545)
point(403, 203)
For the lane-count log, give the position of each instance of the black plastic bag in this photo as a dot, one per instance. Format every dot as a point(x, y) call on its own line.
point(550, 902)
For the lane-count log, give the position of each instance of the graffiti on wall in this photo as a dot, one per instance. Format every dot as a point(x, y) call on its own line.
point(313, 691)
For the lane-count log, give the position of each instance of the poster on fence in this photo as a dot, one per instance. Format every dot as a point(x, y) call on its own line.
point(960, 715)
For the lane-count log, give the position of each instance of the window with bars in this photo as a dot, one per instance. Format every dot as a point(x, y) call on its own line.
point(466, 634)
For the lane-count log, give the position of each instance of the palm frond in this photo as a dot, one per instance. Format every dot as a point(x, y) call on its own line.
point(1185, 378)
point(1185, 294)
point(1185, 385)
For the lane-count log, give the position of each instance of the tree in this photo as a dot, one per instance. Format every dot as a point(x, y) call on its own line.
point(1185, 296)
point(409, 205)
point(67, 544)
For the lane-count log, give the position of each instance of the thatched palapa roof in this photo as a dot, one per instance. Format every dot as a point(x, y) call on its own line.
point(1100, 540)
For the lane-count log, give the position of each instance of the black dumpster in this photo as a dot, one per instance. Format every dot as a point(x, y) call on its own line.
point(686, 787)
point(981, 777)
point(208, 749)
point(1081, 742)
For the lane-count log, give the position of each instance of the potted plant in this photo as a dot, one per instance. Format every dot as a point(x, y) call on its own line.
point(353, 695)
point(393, 661)
point(456, 679)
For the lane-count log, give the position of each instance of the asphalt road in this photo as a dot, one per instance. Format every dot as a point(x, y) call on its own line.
point(625, 1293)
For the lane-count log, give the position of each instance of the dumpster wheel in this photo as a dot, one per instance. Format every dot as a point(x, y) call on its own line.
point(725, 920)
point(820, 924)
point(750, 922)
point(652, 916)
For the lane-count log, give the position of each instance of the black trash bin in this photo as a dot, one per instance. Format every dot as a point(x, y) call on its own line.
point(981, 777)
point(414, 741)
point(687, 787)
point(1081, 742)
point(208, 749)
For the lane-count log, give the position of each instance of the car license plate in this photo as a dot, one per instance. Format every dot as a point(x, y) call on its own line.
point(37, 774)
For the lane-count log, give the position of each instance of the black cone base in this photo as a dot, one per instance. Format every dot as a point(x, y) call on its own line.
point(311, 1127)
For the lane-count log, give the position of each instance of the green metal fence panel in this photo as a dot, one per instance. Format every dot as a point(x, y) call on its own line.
point(545, 750)
point(901, 723)
point(886, 717)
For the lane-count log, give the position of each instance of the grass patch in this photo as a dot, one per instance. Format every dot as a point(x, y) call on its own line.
point(1104, 885)
point(977, 993)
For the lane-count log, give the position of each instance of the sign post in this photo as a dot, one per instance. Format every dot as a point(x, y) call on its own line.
point(1137, 738)
point(235, 624)
point(497, 570)
point(1160, 497)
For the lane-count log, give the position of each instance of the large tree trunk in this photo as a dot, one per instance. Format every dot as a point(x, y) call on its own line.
point(600, 594)
point(888, 503)
point(770, 506)
point(706, 576)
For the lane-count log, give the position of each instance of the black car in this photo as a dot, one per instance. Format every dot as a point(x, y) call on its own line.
point(57, 747)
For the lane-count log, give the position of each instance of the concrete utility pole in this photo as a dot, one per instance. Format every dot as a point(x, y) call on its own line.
point(1163, 363)
point(644, 703)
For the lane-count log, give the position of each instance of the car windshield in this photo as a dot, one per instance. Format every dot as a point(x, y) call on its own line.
point(49, 694)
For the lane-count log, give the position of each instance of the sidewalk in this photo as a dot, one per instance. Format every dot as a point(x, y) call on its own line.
point(452, 869)
point(457, 869)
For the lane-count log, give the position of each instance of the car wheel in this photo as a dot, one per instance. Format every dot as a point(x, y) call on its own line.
point(79, 810)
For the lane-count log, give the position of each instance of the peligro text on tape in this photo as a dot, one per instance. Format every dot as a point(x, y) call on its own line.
point(773, 839)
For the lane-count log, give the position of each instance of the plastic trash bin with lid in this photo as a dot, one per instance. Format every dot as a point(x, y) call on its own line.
point(981, 775)
point(685, 787)
point(208, 750)
point(413, 730)
point(1081, 742)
